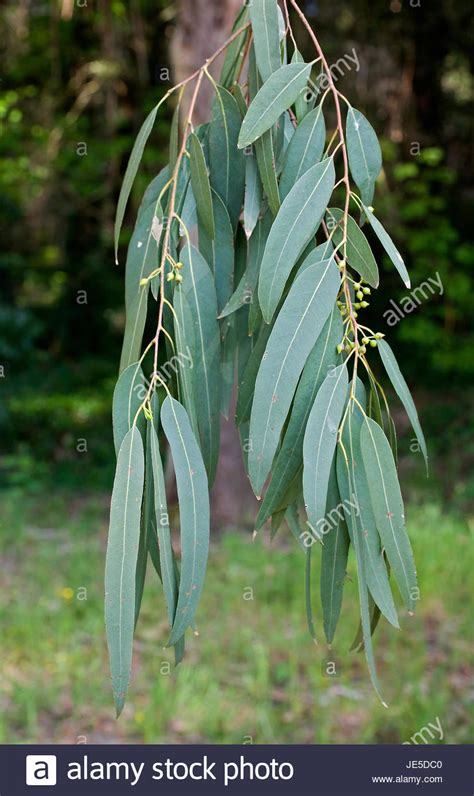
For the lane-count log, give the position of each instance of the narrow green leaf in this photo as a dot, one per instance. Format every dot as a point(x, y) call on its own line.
point(319, 444)
point(131, 172)
point(289, 460)
point(333, 559)
point(219, 252)
point(235, 52)
point(174, 138)
point(388, 245)
point(129, 394)
point(366, 527)
point(401, 388)
point(304, 150)
point(365, 157)
point(228, 360)
point(264, 20)
point(201, 185)
point(359, 253)
point(227, 163)
point(143, 250)
point(387, 504)
point(168, 574)
point(265, 154)
point(121, 561)
point(346, 491)
point(247, 383)
point(134, 328)
point(245, 292)
point(186, 351)
point(292, 519)
point(296, 223)
point(294, 334)
point(199, 290)
point(253, 194)
point(277, 94)
point(192, 487)
point(155, 190)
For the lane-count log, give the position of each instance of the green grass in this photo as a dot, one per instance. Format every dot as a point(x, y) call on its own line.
point(252, 674)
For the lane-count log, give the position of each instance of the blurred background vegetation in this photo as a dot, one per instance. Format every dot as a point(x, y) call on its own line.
point(78, 79)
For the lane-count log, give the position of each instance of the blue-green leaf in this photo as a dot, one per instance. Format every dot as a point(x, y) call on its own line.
point(304, 150)
point(264, 19)
point(277, 94)
point(198, 287)
point(388, 245)
point(319, 444)
point(219, 252)
point(333, 559)
point(201, 185)
point(131, 171)
point(359, 253)
point(121, 561)
point(227, 163)
point(387, 504)
point(245, 292)
point(296, 223)
point(294, 334)
point(129, 394)
point(265, 154)
point(365, 157)
point(401, 388)
point(192, 487)
point(290, 456)
point(134, 328)
point(253, 194)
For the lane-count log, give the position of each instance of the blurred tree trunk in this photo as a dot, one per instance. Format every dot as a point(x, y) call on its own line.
point(202, 26)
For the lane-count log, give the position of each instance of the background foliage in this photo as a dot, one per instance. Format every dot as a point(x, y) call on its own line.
point(79, 80)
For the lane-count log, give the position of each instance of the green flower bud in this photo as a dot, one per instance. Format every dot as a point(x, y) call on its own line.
point(179, 278)
point(170, 276)
point(360, 294)
point(362, 349)
point(364, 304)
point(367, 291)
point(379, 336)
point(339, 348)
point(373, 343)
point(365, 340)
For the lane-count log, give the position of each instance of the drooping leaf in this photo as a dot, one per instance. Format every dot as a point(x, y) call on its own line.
point(296, 223)
point(134, 328)
point(292, 519)
point(247, 382)
point(199, 290)
point(294, 334)
point(168, 574)
point(359, 253)
point(186, 353)
point(192, 487)
point(131, 171)
point(365, 524)
point(277, 94)
point(219, 252)
point(253, 194)
point(333, 559)
point(155, 190)
point(174, 137)
point(319, 444)
point(264, 20)
point(304, 150)
point(290, 456)
point(129, 394)
point(143, 250)
point(227, 163)
point(302, 106)
point(245, 292)
point(401, 388)
point(387, 504)
point(235, 52)
point(346, 492)
point(388, 245)
point(121, 561)
point(265, 154)
point(201, 185)
point(365, 157)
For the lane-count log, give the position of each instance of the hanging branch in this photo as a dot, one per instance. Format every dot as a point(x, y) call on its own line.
point(269, 296)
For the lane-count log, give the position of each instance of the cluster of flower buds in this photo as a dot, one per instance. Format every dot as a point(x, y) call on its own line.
point(174, 275)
